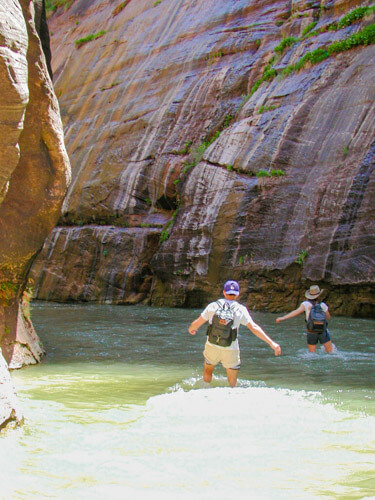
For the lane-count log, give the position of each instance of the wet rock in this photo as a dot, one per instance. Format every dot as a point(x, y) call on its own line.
point(109, 265)
point(34, 171)
point(170, 112)
point(11, 413)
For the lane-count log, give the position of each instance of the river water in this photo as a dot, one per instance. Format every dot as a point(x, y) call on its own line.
point(118, 409)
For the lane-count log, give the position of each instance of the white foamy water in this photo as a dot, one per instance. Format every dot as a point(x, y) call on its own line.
point(253, 442)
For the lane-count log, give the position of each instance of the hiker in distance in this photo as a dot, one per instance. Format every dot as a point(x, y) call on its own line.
point(316, 322)
point(225, 317)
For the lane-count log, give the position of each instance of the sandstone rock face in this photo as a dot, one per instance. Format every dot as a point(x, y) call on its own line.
point(10, 411)
point(180, 120)
point(34, 173)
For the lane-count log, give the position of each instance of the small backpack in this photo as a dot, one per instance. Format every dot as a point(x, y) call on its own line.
point(221, 331)
point(317, 321)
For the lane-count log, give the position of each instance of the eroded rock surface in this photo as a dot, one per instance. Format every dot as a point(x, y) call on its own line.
point(34, 174)
point(11, 413)
point(172, 113)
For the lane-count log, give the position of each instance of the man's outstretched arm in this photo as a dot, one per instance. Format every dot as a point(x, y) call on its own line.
point(196, 324)
point(260, 333)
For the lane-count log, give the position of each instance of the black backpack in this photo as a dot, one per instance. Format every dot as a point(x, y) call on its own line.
point(221, 331)
point(317, 320)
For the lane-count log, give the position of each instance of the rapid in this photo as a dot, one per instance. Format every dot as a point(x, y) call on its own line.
point(118, 407)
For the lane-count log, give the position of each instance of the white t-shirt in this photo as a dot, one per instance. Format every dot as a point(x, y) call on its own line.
point(308, 305)
point(241, 317)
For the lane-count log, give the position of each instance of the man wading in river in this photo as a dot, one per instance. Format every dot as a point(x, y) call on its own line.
point(225, 317)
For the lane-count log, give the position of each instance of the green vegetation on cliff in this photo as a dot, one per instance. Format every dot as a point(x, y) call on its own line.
point(7, 291)
point(52, 5)
point(272, 173)
point(89, 38)
point(352, 17)
point(364, 37)
point(285, 42)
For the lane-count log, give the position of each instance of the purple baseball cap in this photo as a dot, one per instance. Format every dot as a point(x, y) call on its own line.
point(232, 288)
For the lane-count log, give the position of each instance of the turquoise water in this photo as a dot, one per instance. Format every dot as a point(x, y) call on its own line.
point(118, 408)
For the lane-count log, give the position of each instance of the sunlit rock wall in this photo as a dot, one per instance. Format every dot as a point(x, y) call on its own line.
point(34, 174)
point(168, 130)
point(11, 413)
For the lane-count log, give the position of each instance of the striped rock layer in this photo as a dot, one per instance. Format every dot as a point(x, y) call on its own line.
point(34, 175)
point(200, 152)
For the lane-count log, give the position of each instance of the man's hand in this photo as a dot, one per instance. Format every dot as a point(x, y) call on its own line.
point(279, 320)
point(195, 325)
point(277, 349)
point(192, 331)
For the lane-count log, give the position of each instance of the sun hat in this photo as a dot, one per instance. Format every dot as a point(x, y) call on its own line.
point(313, 292)
point(232, 287)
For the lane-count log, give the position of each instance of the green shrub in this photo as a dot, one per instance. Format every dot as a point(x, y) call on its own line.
point(109, 87)
point(188, 166)
point(313, 57)
point(185, 150)
point(285, 42)
point(315, 33)
point(168, 226)
point(352, 17)
point(198, 151)
point(263, 109)
point(308, 28)
point(364, 37)
point(256, 86)
point(301, 257)
point(164, 235)
point(277, 173)
point(272, 173)
point(288, 70)
point(268, 75)
point(89, 38)
point(52, 5)
point(227, 120)
point(214, 55)
point(7, 291)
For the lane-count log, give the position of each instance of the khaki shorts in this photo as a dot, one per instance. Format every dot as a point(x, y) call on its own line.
point(229, 358)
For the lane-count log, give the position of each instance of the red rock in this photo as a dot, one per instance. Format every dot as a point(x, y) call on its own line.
point(139, 100)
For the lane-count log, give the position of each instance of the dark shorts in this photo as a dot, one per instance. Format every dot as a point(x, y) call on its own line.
point(314, 338)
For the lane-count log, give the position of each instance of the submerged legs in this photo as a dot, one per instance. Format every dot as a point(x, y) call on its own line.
point(231, 374)
point(207, 373)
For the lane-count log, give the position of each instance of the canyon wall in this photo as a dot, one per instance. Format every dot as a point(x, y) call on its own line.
point(215, 139)
point(34, 175)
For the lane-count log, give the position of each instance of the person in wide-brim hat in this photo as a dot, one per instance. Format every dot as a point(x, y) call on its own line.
point(313, 338)
point(313, 292)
